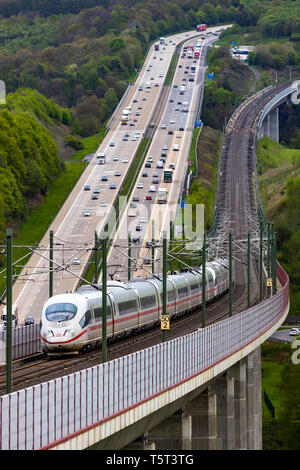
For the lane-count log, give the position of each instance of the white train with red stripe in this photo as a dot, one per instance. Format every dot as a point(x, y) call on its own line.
point(73, 322)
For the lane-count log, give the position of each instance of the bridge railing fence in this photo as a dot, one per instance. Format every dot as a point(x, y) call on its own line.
point(44, 414)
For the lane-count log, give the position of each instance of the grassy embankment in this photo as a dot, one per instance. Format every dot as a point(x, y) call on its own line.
point(40, 217)
point(276, 165)
point(206, 150)
point(280, 380)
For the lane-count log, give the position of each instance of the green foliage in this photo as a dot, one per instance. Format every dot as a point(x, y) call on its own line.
point(287, 220)
point(74, 141)
point(28, 159)
point(231, 78)
point(33, 102)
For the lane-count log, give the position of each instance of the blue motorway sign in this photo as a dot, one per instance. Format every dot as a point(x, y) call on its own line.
point(198, 123)
point(183, 204)
point(211, 75)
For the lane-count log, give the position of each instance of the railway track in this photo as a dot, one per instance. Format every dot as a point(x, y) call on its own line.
point(237, 171)
point(43, 369)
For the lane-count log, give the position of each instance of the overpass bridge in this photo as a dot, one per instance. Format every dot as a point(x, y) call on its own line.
point(200, 391)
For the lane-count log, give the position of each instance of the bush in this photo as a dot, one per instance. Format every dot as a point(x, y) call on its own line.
point(74, 141)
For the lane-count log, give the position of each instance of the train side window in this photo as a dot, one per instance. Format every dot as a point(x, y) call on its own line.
point(98, 312)
point(86, 319)
point(194, 286)
point(129, 306)
point(182, 292)
point(148, 301)
point(171, 296)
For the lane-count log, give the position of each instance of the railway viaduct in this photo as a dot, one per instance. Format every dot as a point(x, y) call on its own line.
point(268, 122)
point(200, 391)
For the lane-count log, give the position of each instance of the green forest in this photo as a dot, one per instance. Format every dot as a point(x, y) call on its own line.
point(67, 64)
point(28, 153)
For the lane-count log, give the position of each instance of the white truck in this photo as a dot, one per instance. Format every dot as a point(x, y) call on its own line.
point(162, 196)
point(185, 107)
point(101, 158)
point(14, 316)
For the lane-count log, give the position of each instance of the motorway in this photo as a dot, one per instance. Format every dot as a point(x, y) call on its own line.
point(74, 232)
point(174, 127)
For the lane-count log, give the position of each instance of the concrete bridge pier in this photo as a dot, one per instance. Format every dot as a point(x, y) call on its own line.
point(224, 416)
point(223, 387)
point(270, 125)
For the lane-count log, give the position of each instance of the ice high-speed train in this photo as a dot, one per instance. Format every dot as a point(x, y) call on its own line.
point(73, 322)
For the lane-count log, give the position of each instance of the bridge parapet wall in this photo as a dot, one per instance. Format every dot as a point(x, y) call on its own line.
point(82, 408)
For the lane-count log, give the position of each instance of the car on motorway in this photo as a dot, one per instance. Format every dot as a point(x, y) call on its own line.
point(148, 197)
point(132, 124)
point(150, 159)
point(147, 261)
point(131, 213)
point(144, 98)
point(147, 165)
point(178, 136)
point(134, 100)
point(125, 139)
point(155, 174)
point(165, 147)
point(140, 107)
point(87, 213)
point(163, 126)
point(112, 186)
point(140, 185)
point(163, 156)
point(96, 190)
point(172, 121)
point(145, 175)
point(176, 109)
point(132, 205)
point(103, 203)
point(181, 128)
point(112, 144)
point(143, 220)
point(137, 113)
point(87, 187)
point(156, 84)
point(29, 321)
point(136, 198)
point(117, 173)
point(104, 178)
point(138, 228)
point(76, 261)
point(95, 196)
point(170, 132)
point(155, 181)
point(161, 75)
point(171, 100)
point(115, 159)
point(125, 160)
point(136, 239)
point(135, 120)
point(175, 86)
